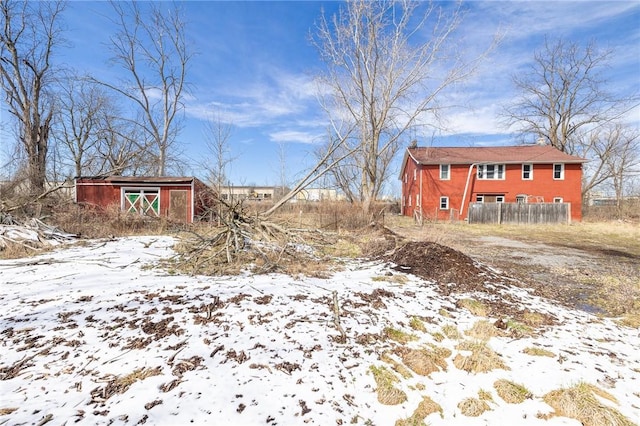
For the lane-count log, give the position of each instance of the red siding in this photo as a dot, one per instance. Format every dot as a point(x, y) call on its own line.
point(104, 194)
point(427, 183)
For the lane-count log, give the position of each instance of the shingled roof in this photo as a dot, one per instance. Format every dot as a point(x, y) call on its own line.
point(498, 154)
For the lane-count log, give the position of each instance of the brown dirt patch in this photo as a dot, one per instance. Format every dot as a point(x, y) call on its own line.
point(453, 272)
point(435, 262)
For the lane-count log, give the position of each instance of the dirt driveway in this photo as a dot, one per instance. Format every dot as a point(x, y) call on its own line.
point(584, 266)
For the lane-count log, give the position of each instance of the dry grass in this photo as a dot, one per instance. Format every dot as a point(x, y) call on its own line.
point(476, 307)
point(417, 324)
point(581, 402)
point(426, 361)
point(387, 393)
point(444, 313)
point(396, 366)
point(630, 320)
point(485, 395)
point(519, 329)
point(437, 336)
point(398, 335)
point(343, 247)
point(481, 360)
point(535, 319)
point(451, 332)
point(5, 411)
point(535, 351)
point(100, 223)
point(15, 251)
point(510, 392)
point(617, 294)
point(139, 374)
point(393, 278)
point(482, 330)
point(425, 407)
point(473, 407)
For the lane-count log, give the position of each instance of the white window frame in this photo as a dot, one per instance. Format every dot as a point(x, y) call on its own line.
point(499, 198)
point(444, 201)
point(415, 174)
point(445, 172)
point(521, 199)
point(560, 167)
point(480, 199)
point(496, 171)
point(527, 171)
point(144, 210)
point(558, 200)
point(417, 200)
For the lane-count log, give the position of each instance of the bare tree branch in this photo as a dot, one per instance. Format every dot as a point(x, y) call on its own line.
point(382, 81)
point(30, 32)
point(152, 49)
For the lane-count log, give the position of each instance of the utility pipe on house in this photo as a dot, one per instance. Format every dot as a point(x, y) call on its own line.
point(466, 187)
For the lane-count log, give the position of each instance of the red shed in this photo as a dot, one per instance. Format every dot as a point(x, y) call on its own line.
point(177, 198)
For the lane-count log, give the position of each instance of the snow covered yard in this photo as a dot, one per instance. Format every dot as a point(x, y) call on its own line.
point(96, 334)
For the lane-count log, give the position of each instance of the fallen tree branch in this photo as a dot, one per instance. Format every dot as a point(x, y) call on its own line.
point(336, 319)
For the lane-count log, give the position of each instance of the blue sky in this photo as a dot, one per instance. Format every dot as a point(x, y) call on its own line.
point(255, 67)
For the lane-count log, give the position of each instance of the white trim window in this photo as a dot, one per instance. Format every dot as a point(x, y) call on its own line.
point(142, 201)
point(489, 198)
point(558, 171)
point(527, 171)
point(445, 170)
point(415, 174)
point(444, 203)
point(491, 171)
point(558, 200)
point(417, 200)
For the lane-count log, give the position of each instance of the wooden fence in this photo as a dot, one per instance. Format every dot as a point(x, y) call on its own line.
point(519, 213)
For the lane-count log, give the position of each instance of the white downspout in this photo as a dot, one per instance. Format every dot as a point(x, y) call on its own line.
point(421, 196)
point(193, 198)
point(466, 187)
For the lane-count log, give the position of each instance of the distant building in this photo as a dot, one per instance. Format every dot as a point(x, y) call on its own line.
point(252, 193)
point(317, 194)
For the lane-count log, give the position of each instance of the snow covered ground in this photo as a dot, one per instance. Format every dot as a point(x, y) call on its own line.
point(96, 334)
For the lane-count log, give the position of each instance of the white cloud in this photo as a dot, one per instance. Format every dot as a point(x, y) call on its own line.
point(295, 136)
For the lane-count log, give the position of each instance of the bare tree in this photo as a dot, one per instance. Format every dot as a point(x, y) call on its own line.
point(282, 169)
point(217, 138)
point(119, 147)
point(152, 48)
point(624, 162)
point(30, 32)
point(563, 96)
point(383, 82)
point(82, 107)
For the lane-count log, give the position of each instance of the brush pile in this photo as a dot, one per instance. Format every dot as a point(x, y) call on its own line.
point(32, 234)
point(244, 242)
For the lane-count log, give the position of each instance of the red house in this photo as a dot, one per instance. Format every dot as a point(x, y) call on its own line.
point(176, 198)
point(440, 183)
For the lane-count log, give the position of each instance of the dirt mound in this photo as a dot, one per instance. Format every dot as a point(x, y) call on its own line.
point(453, 271)
point(435, 262)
